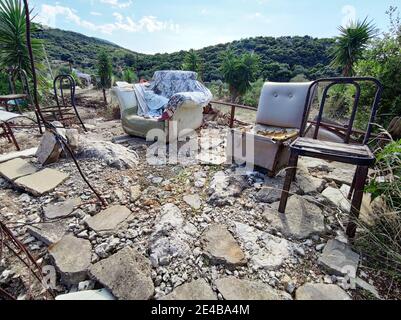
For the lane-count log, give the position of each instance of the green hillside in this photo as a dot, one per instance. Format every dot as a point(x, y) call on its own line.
point(282, 58)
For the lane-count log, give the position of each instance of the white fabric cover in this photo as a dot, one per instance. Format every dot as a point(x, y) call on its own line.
point(126, 97)
point(282, 104)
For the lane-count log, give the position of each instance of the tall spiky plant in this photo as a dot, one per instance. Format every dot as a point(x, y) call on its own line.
point(13, 48)
point(350, 45)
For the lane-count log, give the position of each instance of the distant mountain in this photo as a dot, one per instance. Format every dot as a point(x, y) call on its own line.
point(282, 58)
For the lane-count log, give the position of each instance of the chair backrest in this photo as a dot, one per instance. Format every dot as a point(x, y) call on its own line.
point(346, 81)
point(18, 74)
point(282, 104)
point(59, 84)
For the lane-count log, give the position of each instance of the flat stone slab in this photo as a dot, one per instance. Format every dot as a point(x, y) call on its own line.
point(220, 247)
point(16, 168)
point(195, 290)
point(339, 259)
point(301, 219)
point(235, 289)
point(337, 198)
point(61, 209)
point(97, 295)
point(49, 233)
point(320, 291)
point(18, 154)
point(127, 274)
point(193, 200)
point(41, 182)
point(109, 219)
point(265, 250)
point(72, 258)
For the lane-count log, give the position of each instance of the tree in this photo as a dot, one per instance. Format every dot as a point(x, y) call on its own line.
point(239, 72)
point(192, 62)
point(104, 70)
point(13, 49)
point(350, 44)
point(130, 76)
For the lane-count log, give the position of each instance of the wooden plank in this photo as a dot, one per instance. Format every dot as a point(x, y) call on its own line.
point(333, 147)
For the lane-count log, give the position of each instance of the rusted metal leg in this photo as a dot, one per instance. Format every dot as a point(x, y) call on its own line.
point(39, 122)
point(290, 176)
point(351, 191)
point(11, 134)
point(360, 180)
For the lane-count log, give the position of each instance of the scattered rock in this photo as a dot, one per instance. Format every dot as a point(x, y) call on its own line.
point(171, 235)
point(135, 193)
point(265, 250)
point(193, 200)
point(72, 257)
point(223, 187)
point(310, 185)
point(339, 259)
point(195, 290)
point(337, 198)
point(16, 168)
point(220, 247)
point(301, 219)
point(62, 209)
point(115, 155)
point(41, 182)
point(127, 274)
point(235, 289)
point(109, 219)
point(319, 291)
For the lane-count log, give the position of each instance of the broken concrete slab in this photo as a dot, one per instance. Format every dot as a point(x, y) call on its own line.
point(97, 295)
point(301, 219)
point(339, 259)
point(61, 209)
point(72, 258)
point(41, 182)
point(109, 219)
point(220, 247)
point(235, 289)
point(195, 290)
point(49, 150)
point(320, 291)
point(127, 274)
point(49, 233)
point(28, 153)
point(193, 200)
point(16, 168)
point(337, 198)
point(367, 287)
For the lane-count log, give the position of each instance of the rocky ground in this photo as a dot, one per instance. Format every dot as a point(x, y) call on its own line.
point(194, 231)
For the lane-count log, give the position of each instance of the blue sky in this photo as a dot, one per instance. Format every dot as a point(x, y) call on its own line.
point(171, 25)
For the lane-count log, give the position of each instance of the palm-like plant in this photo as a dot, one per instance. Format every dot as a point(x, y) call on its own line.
point(239, 72)
point(193, 62)
point(350, 45)
point(13, 49)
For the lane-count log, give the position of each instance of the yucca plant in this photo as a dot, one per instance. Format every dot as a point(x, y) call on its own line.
point(105, 72)
point(13, 49)
point(350, 45)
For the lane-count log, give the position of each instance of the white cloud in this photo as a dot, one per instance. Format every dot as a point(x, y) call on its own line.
point(117, 3)
point(349, 15)
point(49, 15)
point(94, 13)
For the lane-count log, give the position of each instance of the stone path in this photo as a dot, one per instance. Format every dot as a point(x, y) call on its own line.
point(16, 168)
point(109, 219)
point(61, 209)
